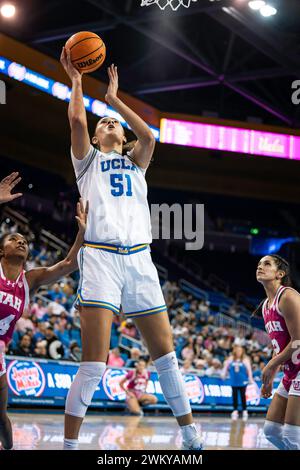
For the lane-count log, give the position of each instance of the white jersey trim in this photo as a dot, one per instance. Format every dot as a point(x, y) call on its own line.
point(81, 165)
point(2, 273)
point(264, 307)
point(279, 297)
point(26, 288)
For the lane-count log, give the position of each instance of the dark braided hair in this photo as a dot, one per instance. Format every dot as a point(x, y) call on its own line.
point(282, 265)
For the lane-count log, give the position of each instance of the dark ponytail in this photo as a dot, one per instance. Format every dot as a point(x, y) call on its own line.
point(258, 311)
point(282, 265)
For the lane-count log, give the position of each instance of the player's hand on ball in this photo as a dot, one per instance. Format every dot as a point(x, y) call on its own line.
point(113, 86)
point(6, 187)
point(66, 62)
point(82, 214)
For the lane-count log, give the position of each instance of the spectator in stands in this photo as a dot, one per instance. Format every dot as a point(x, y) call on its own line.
point(181, 330)
point(115, 359)
point(240, 339)
point(135, 355)
point(25, 323)
point(55, 292)
point(188, 351)
point(256, 358)
point(38, 309)
point(209, 343)
point(39, 333)
point(55, 349)
point(56, 307)
point(75, 352)
point(200, 366)
point(179, 317)
point(257, 370)
point(222, 348)
point(62, 332)
point(199, 346)
point(127, 328)
point(40, 349)
point(187, 366)
point(215, 370)
point(24, 348)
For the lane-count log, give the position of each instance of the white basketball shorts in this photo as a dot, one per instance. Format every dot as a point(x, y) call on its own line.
point(292, 387)
point(112, 276)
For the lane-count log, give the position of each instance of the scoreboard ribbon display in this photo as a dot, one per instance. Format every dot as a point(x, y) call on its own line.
point(46, 382)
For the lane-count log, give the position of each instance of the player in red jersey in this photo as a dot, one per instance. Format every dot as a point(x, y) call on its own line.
point(136, 388)
point(16, 285)
point(281, 314)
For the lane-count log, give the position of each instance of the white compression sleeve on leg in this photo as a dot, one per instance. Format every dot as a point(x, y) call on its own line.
point(172, 384)
point(291, 437)
point(83, 388)
point(273, 432)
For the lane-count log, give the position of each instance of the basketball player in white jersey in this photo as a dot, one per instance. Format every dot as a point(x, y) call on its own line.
point(115, 262)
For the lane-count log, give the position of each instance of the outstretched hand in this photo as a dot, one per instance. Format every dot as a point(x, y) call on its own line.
point(66, 62)
point(82, 214)
point(6, 187)
point(113, 85)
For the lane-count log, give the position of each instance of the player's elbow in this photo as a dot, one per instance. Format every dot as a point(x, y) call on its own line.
point(77, 122)
point(149, 140)
point(70, 265)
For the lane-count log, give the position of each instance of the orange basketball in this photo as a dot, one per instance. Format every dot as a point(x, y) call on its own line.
point(88, 51)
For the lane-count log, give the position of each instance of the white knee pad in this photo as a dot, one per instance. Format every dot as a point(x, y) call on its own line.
point(291, 437)
point(83, 388)
point(273, 432)
point(172, 384)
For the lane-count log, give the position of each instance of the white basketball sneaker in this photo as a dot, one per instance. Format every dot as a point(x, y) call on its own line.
point(234, 415)
point(191, 438)
point(245, 415)
point(194, 444)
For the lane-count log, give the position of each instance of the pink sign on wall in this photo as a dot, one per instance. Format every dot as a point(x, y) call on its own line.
point(231, 139)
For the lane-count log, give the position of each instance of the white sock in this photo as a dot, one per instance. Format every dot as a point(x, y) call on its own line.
point(189, 432)
point(71, 444)
point(291, 437)
point(273, 433)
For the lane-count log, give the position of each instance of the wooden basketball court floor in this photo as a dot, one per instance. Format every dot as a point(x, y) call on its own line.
point(41, 431)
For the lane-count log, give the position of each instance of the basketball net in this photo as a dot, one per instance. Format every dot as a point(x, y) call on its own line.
point(162, 4)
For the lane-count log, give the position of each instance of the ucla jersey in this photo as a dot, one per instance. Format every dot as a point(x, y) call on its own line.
point(117, 193)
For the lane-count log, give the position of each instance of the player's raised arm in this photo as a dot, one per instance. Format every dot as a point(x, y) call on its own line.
point(40, 276)
point(144, 148)
point(7, 185)
point(80, 138)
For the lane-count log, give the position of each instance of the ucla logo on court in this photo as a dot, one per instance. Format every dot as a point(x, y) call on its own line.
point(194, 388)
point(111, 384)
point(26, 378)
